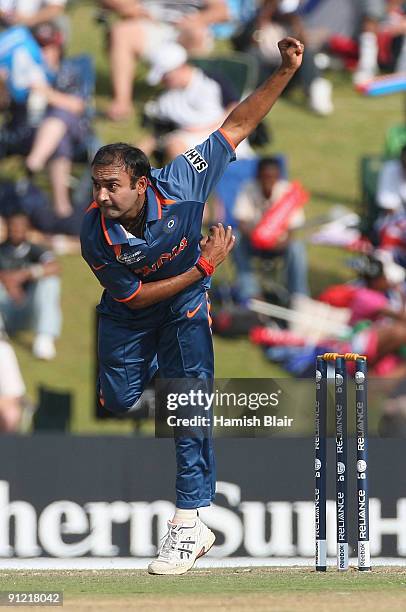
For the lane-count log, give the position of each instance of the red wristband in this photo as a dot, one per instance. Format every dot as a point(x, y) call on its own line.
point(204, 266)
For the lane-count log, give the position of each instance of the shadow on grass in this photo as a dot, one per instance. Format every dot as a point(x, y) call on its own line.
point(335, 198)
point(141, 90)
point(319, 280)
point(23, 340)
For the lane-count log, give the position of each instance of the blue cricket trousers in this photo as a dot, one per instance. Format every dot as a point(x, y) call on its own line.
point(175, 336)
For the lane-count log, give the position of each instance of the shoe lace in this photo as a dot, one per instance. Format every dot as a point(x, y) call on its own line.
point(168, 543)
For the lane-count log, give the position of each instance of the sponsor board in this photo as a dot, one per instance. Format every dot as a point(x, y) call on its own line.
point(70, 497)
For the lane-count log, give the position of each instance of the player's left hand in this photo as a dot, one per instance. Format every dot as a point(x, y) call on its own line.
point(291, 51)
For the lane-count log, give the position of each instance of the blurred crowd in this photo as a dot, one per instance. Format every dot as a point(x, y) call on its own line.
point(201, 57)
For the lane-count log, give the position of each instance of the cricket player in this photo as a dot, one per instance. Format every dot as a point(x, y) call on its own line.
point(141, 237)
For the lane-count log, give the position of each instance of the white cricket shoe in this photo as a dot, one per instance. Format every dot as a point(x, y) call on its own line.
point(181, 546)
point(362, 76)
point(44, 347)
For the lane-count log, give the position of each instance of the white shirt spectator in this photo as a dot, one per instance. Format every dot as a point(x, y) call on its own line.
point(11, 381)
point(251, 204)
point(391, 189)
point(198, 105)
point(27, 7)
point(171, 11)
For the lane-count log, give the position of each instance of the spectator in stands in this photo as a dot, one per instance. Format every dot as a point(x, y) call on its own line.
point(65, 129)
point(376, 302)
point(252, 202)
point(391, 188)
point(12, 387)
point(193, 105)
point(275, 19)
point(383, 19)
point(371, 14)
point(143, 26)
point(390, 232)
point(29, 287)
point(379, 292)
point(30, 13)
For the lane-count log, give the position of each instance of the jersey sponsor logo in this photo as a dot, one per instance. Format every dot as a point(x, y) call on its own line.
point(196, 160)
point(130, 257)
point(191, 313)
point(146, 270)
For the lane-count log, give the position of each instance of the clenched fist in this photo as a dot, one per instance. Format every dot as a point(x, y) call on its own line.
point(218, 244)
point(291, 51)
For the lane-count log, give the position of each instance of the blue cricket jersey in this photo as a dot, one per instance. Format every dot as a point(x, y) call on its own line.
point(175, 201)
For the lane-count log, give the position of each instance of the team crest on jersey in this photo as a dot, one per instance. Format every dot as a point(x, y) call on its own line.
point(130, 257)
point(170, 224)
point(197, 162)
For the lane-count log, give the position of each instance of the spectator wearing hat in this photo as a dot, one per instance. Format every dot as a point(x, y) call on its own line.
point(30, 13)
point(194, 103)
point(66, 125)
point(29, 287)
point(144, 26)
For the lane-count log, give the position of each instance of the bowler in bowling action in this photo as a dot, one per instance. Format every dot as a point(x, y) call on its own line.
point(141, 237)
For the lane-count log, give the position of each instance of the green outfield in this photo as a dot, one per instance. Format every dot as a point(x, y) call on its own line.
point(323, 154)
point(279, 589)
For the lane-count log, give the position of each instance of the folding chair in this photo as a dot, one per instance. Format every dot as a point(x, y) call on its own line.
point(370, 167)
point(239, 68)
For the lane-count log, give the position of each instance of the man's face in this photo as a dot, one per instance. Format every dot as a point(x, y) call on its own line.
point(17, 228)
point(52, 54)
point(268, 176)
point(113, 191)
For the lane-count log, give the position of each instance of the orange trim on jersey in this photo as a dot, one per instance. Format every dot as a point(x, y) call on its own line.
point(117, 249)
point(91, 207)
point(159, 204)
point(106, 234)
point(227, 137)
point(160, 200)
point(208, 310)
point(167, 202)
point(127, 299)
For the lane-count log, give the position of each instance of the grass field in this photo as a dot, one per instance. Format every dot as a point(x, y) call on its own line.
point(322, 153)
point(262, 589)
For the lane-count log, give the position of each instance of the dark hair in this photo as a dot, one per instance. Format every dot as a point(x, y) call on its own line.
point(368, 267)
point(48, 33)
point(16, 212)
point(135, 162)
point(265, 162)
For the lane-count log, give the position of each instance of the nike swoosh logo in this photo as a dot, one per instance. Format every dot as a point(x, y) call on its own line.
point(191, 313)
point(98, 267)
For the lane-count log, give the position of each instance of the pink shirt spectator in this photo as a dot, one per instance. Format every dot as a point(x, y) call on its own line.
point(366, 304)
